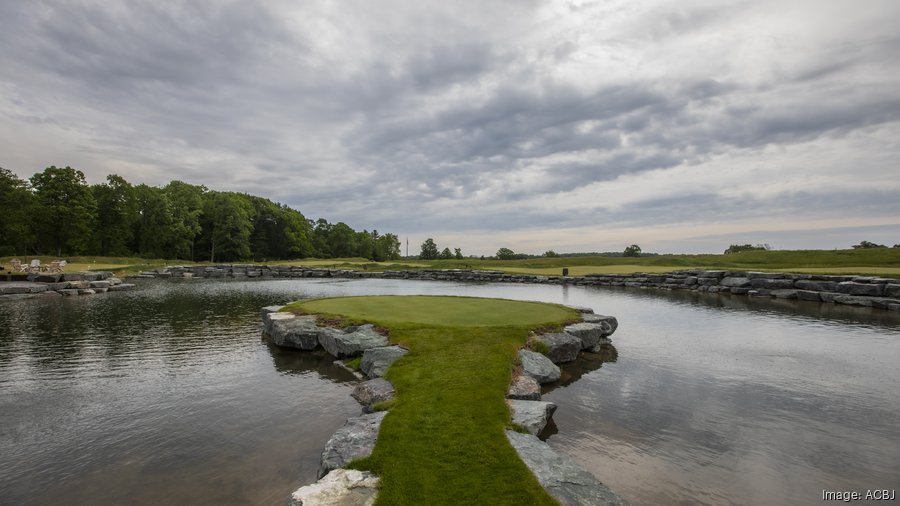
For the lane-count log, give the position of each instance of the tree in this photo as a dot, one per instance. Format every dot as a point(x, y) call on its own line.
point(868, 245)
point(457, 253)
point(446, 255)
point(632, 251)
point(387, 247)
point(429, 250)
point(65, 210)
point(505, 254)
point(342, 241)
point(16, 201)
point(551, 254)
point(737, 248)
point(186, 208)
point(227, 226)
point(153, 224)
point(116, 214)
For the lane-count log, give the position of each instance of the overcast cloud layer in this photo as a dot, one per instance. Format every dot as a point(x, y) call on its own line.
point(578, 126)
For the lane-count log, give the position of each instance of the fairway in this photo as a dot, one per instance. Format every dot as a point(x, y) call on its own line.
point(443, 440)
point(440, 310)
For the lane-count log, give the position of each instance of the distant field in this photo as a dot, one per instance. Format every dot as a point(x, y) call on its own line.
point(877, 262)
point(581, 270)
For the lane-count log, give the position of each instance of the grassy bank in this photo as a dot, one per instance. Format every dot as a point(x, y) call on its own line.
point(875, 262)
point(443, 441)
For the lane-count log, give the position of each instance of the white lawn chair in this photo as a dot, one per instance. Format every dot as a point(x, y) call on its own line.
point(35, 266)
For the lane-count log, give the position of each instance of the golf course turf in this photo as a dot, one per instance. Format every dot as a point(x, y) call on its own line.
point(443, 441)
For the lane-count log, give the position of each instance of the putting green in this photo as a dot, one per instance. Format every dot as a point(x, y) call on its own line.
point(443, 441)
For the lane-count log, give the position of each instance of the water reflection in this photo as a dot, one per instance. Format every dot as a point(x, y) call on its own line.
point(168, 395)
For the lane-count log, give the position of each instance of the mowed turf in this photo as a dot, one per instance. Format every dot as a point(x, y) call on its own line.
point(443, 441)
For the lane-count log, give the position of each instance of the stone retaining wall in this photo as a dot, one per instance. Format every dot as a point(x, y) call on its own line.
point(866, 291)
point(70, 283)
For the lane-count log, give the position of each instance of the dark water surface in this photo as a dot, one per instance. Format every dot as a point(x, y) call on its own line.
point(167, 395)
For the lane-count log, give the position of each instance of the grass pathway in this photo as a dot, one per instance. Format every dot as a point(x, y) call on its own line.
point(443, 441)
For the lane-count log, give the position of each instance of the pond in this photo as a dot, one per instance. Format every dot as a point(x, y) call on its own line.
point(167, 394)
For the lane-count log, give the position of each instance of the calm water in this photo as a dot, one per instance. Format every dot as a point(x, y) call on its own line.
point(168, 395)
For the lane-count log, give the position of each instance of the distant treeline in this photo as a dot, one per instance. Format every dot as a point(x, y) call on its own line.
point(56, 212)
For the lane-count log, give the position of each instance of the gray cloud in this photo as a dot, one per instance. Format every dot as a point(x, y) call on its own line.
point(422, 117)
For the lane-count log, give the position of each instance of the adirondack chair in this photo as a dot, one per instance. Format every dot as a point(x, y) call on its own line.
point(35, 266)
point(17, 265)
point(54, 267)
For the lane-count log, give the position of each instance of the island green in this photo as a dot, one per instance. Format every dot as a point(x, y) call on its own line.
point(443, 441)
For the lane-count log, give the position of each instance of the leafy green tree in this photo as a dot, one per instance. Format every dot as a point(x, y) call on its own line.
point(153, 226)
point(342, 241)
point(429, 250)
point(186, 207)
point(737, 248)
point(116, 215)
point(632, 251)
point(868, 245)
point(387, 247)
point(65, 210)
point(551, 254)
point(457, 253)
point(505, 254)
point(16, 201)
point(446, 254)
point(227, 226)
point(296, 235)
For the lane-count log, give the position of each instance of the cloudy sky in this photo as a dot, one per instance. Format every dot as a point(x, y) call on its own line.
point(682, 126)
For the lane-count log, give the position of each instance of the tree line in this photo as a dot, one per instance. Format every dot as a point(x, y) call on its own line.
point(55, 212)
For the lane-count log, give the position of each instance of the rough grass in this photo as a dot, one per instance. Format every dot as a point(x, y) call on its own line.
point(443, 441)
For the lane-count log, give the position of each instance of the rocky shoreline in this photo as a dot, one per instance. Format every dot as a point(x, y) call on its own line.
point(863, 291)
point(62, 284)
point(563, 479)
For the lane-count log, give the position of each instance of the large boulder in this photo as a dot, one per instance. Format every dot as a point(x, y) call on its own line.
point(531, 415)
point(560, 476)
point(599, 318)
point(372, 392)
point(298, 332)
point(351, 341)
point(354, 440)
point(525, 388)
point(854, 288)
point(269, 310)
point(270, 317)
point(375, 361)
point(735, 282)
point(341, 487)
point(538, 367)
point(589, 333)
point(561, 347)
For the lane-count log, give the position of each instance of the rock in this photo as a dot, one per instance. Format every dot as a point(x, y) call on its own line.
point(581, 309)
point(560, 476)
point(735, 282)
point(599, 318)
point(525, 388)
point(270, 318)
point(816, 286)
point(853, 300)
point(854, 288)
point(772, 284)
point(121, 287)
point(352, 341)
point(808, 295)
point(561, 347)
point(892, 290)
point(68, 291)
point(784, 294)
point(373, 391)
point(297, 332)
point(538, 367)
point(375, 361)
point(354, 440)
point(269, 310)
point(86, 291)
point(100, 284)
point(341, 487)
point(46, 278)
point(531, 415)
point(19, 288)
point(589, 333)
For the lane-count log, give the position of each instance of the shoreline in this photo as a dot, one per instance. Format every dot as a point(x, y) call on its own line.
point(861, 291)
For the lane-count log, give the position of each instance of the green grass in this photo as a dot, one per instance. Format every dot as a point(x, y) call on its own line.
point(877, 262)
point(443, 441)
